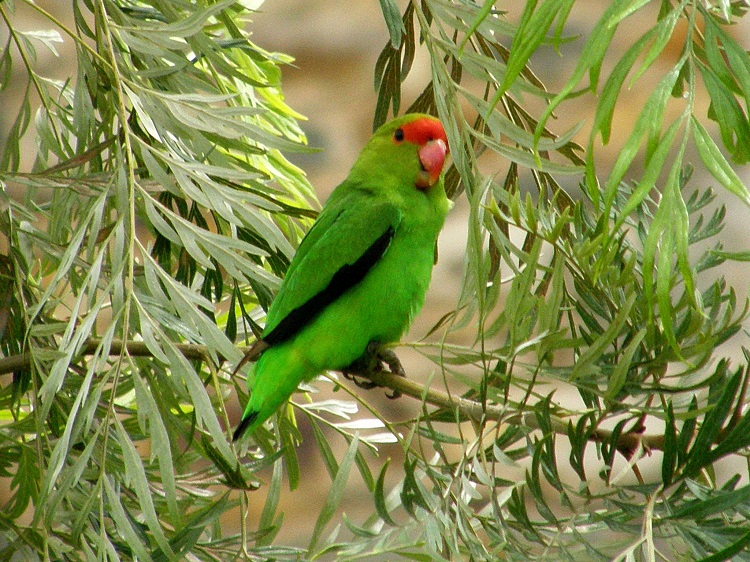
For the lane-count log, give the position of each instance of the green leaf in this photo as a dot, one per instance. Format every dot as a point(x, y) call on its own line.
point(329, 459)
point(686, 432)
point(619, 375)
point(526, 158)
point(481, 16)
point(727, 112)
point(25, 482)
point(737, 547)
point(531, 32)
point(585, 365)
point(734, 441)
point(135, 476)
point(715, 162)
point(335, 494)
point(700, 452)
point(393, 21)
point(592, 55)
point(160, 445)
point(379, 496)
point(669, 460)
point(721, 502)
point(289, 442)
point(611, 88)
point(742, 256)
point(198, 522)
point(123, 521)
point(267, 524)
point(649, 120)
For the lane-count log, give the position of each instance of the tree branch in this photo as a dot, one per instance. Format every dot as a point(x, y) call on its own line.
point(627, 443)
point(22, 361)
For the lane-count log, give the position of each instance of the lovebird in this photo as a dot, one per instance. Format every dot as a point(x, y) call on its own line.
point(361, 273)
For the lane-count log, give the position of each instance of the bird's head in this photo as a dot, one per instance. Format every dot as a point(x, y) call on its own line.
point(411, 149)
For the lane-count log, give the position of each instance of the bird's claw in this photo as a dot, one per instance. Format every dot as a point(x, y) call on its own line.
point(371, 362)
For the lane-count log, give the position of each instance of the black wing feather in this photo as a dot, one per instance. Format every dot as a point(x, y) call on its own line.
point(344, 279)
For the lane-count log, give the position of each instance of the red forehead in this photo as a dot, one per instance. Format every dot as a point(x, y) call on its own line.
point(422, 130)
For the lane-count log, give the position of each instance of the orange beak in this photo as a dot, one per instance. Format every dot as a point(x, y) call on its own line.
point(432, 157)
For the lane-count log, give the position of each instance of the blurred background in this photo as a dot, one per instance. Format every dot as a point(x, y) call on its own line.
point(335, 45)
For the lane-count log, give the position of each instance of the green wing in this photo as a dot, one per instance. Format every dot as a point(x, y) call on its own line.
point(349, 237)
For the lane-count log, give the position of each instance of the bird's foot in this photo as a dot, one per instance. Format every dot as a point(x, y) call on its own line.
point(372, 362)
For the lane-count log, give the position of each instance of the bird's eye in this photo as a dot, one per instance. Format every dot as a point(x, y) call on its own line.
point(398, 136)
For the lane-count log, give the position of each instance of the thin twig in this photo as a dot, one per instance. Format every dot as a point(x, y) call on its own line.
point(22, 361)
point(471, 409)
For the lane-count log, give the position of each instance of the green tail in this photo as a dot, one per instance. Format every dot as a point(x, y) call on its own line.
point(278, 372)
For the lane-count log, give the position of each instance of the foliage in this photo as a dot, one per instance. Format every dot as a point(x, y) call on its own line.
point(160, 212)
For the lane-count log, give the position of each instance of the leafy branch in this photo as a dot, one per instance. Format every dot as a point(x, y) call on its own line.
point(464, 408)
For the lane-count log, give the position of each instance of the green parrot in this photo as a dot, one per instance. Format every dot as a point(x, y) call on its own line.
point(361, 272)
